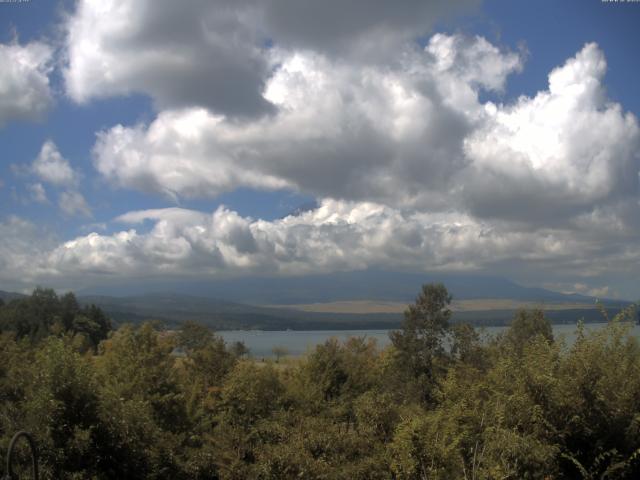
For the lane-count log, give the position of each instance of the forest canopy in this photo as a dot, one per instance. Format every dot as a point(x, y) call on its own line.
point(45, 313)
point(441, 402)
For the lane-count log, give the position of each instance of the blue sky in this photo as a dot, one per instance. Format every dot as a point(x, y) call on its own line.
point(427, 136)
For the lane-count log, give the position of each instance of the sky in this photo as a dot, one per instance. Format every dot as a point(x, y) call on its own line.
point(206, 140)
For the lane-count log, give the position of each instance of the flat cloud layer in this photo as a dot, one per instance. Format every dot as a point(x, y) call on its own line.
point(337, 236)
point(24, 81)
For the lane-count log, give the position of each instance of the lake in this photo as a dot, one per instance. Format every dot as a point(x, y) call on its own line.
point(261, 343)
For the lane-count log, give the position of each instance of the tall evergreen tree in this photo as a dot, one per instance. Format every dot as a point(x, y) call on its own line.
point(419, 343)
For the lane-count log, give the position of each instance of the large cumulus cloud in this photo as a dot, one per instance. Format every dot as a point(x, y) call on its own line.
point(342, 131)
point(416, 136)
point(566, 150)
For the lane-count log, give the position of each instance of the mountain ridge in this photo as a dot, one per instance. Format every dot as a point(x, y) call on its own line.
point(346, 286)
point(249, 303)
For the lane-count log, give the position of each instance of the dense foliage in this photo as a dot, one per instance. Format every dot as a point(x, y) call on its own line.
point(440, 403)
point(44, 313)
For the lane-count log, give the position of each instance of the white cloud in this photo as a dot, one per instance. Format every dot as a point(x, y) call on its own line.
point(216, 54)
point(24, 81)
point(566, 149)
point(416, 170)
point(37, 193)
point(21, 253)
point(72, 203)
point(414, 136)
point(175, 156)
point(50, 166)
point(594, 292)
point(343, 131)
point(199, 53)
point(336, 236)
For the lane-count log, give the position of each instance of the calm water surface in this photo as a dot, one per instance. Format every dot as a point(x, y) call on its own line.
point(261, 343)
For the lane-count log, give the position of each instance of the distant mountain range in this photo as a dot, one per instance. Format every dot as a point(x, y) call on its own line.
point(223, 315)
point(294, 301)
point(174, 308)
point(345, 286)
point(7, 296)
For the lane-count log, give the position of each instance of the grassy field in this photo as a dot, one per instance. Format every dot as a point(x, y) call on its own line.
point(373, 306)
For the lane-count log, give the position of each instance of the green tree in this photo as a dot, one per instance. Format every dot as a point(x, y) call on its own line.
point(32, 317)
point(250, 395)
point(327, 370)
point(44, 313)
point(525, 327)
point(418, 345)
point(92, 322)
point(69, 308)
point(143, 408)
point(193, 336)
point(598, 400)
point(466, 345)
point(207, 358)
point(61, 408)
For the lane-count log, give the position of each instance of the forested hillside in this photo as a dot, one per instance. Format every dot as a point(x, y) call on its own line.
point(522, 405)
point(44, 313)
